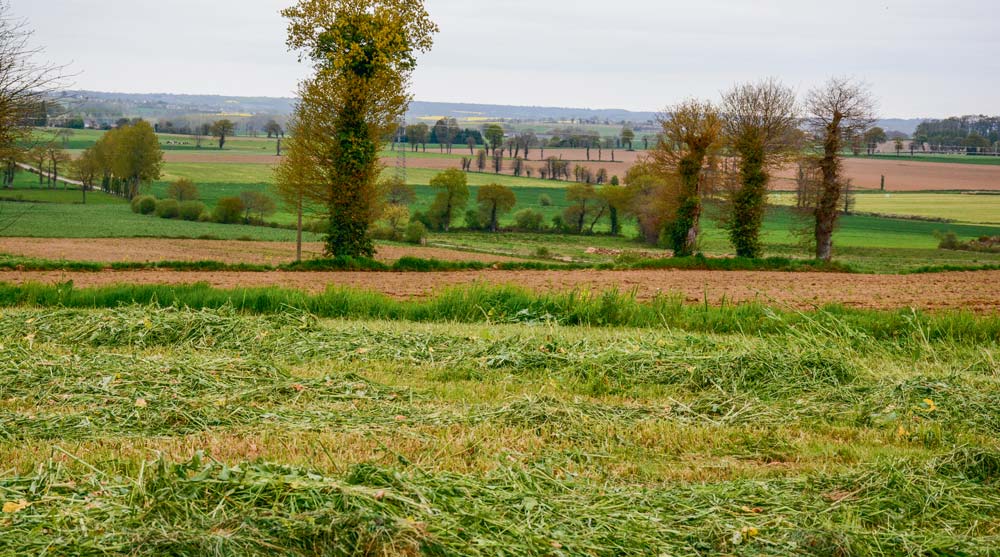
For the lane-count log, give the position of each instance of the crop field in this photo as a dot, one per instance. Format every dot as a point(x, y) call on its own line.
point(149, 430)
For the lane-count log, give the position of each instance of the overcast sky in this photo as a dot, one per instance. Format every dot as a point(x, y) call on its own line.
point(923, 58)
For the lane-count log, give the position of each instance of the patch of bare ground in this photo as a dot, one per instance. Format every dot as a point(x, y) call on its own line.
point(974, 291)
point(142, 250)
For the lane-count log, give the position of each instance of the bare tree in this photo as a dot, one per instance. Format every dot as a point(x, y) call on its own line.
point(25, 84)
point(840, 108)
point(760, 119)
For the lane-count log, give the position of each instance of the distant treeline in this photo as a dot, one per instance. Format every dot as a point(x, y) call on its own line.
point(980, 132)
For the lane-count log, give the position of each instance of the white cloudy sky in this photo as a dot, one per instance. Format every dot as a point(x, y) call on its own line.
point(921, 57)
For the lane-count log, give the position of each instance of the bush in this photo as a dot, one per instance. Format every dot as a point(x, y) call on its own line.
point(144, 204)
point(382, 231)
point(948, 240)
point(191, 210)
point(229, 210)
point(416, 233)
point(472, 220)
point(205, 217)
point(544, 200)
point(528, 220)
point(183, 190)
point(168, 209)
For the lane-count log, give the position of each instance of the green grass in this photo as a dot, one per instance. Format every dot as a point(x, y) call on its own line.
point(45, 220)
point(27, 189)
point(963, 208)
point(955, 159)
point(148, 430)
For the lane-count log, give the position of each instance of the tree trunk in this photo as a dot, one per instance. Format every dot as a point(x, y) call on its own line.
point(828, 204)
point(298, 232)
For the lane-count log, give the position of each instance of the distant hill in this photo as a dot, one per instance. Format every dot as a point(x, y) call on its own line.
point(907, 126)
point(167, 105)
point(144, 104)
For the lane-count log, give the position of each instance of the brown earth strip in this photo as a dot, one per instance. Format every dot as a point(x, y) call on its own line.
point(142, 250)
point(974, 291)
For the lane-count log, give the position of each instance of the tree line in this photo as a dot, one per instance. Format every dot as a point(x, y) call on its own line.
point(972, 132)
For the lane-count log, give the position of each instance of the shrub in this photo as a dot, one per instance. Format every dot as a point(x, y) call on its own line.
point(205, 217)
point(544, 200)
point(167, 209)
point(473, 220)
point(395, 218)
point(144, 204)
point(948, 240)
point(416, 233)
point(183, 190)
point(382, 231)
point(191, 210)
point(528, 220)
point(229, 210)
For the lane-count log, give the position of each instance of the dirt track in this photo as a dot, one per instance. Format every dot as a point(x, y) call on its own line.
point(145, 250)
point(978, 291)
point(901, 175)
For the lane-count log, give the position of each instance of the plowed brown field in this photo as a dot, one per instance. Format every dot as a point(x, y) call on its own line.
point(975, 291)
point(146, 250)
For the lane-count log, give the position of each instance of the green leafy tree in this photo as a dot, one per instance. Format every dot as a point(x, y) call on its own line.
point(494, 135)
point(873, 137)
point(452, 197)
point(273, 129)
point(584, 200)
point(628, 136)
point(222, 129)
point(494, 200)
point(363, 53)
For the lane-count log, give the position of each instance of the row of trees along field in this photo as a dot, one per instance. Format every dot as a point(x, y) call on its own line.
point(975, 132)
point(121, 161)
point(447, 133)
point(727, 151)
point(730, 149)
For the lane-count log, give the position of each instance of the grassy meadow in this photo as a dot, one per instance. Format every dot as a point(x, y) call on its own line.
point(149, 430)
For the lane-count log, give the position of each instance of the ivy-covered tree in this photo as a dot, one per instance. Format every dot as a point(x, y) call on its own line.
point(692, 134)
point(759, 124)
point(363, 53)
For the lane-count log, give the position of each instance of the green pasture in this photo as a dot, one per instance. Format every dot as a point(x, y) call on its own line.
point(52, 220)
point(945, 158)
point(959, 207)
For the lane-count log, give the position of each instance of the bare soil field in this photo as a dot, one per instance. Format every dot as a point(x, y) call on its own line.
point(149, 250)
point(974, 291)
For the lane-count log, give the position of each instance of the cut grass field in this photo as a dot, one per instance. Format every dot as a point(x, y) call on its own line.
point(142, 430)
